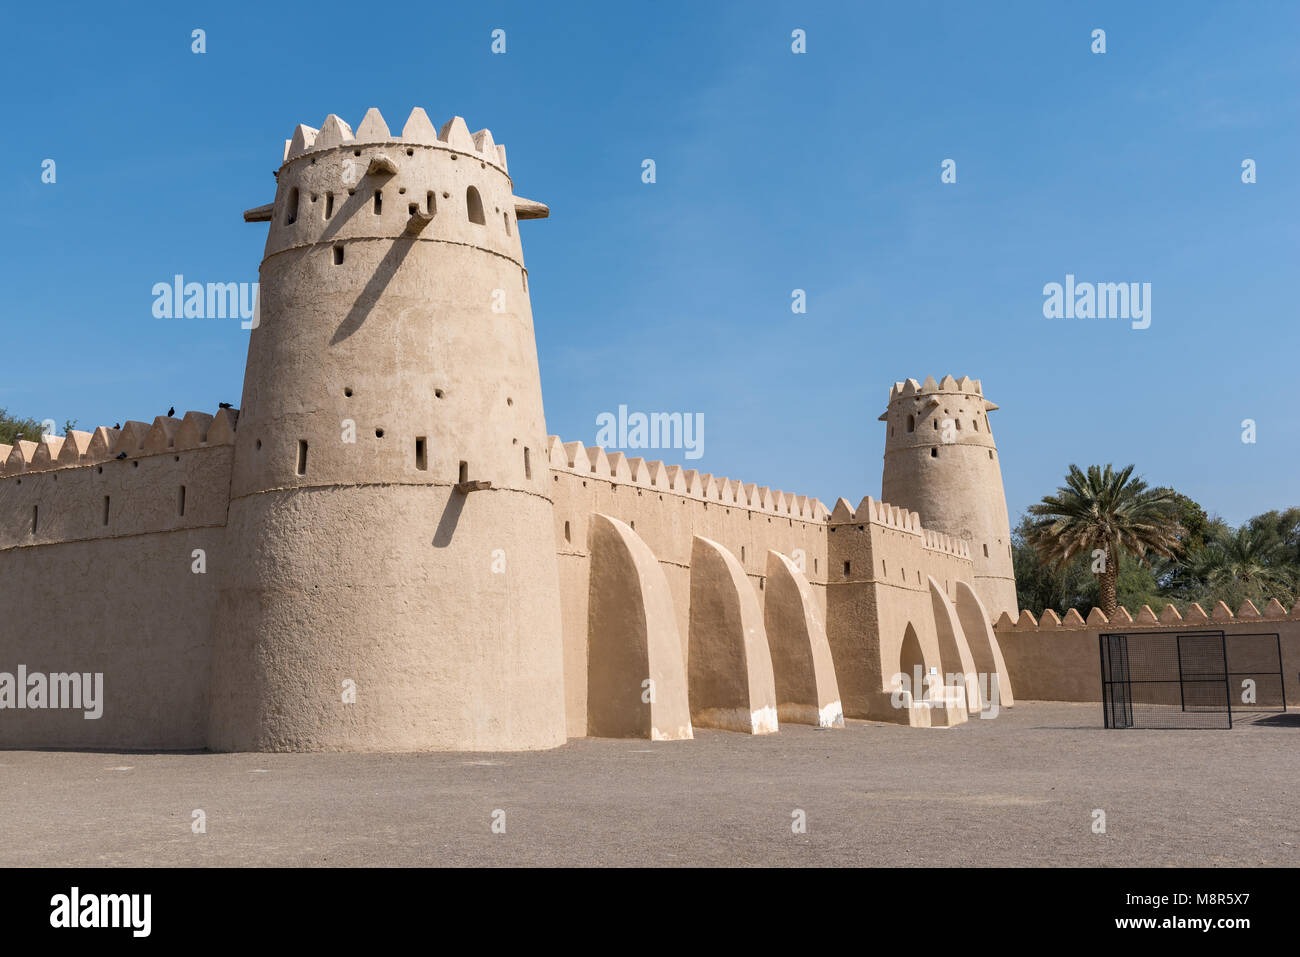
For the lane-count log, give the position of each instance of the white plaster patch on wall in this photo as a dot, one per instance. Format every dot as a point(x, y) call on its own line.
point(681, 734)
point(763, 720)
point(831, 716)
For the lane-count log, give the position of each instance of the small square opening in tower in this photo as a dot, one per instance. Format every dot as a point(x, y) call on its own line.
point(846, 569)
point(338, 255)
point(934, 452)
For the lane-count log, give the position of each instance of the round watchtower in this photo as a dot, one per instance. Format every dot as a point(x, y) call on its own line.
point(396, 587)
point(941, 461)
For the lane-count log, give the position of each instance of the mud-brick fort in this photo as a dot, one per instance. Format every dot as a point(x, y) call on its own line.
point(382, 549)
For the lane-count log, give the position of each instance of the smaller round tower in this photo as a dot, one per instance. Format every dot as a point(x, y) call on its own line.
point(941, 461)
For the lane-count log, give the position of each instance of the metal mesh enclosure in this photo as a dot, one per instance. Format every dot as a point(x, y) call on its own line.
point(1188, 679)
point(1255, 673)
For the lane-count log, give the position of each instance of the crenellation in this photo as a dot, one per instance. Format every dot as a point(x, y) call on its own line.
point(161, 435)
point(130, 439)
point(75, 446)
point(193, 431)
point(47, 453)
point(20, 456)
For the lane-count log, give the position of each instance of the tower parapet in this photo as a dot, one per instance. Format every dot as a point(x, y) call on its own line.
point(941, 460)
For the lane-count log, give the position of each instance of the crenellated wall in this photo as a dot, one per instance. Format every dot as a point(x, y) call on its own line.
point(119, 576)
point(667, 506)
point(892, 559)
point(1058, 659)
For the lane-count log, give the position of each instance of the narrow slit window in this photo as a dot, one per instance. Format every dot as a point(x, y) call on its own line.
point(338, 255)
point(421, 458)
point(506, 217)
point(291, 212)
point(302, 456)
point(568, 537)
point(474, 206)
point(986, 549)
point(379, 201)
point(329, 205)
point(846, 569)
point(180, 500)
point(934, 452)
point(911, 423)
point(106, 498)
point(528, 465)
point(36, 515)
point(430, 203)
point(463, 475)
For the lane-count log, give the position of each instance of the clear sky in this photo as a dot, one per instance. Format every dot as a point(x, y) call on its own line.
point(775, 171)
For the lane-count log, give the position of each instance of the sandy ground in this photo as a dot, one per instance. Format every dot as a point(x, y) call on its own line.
point(1019, 789)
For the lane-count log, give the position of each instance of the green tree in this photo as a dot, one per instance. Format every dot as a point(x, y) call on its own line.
point(11, 428)
point(1248, 563)
point(1103, 514)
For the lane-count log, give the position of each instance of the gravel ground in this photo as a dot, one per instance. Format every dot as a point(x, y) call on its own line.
point(1017, 790)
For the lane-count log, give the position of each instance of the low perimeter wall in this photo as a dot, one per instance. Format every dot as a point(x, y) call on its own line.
point(1060, 660)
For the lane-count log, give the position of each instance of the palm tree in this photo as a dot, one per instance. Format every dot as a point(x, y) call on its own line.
point(1107, 512)
point(1248, 563)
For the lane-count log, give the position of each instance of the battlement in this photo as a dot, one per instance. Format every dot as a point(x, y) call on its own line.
point(869, 511)
point(618, 468)
point(418, 131)
point(135, 439)
point(910, 387)
point(1147, 618)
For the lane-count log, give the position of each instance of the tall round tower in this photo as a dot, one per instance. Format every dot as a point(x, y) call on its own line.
point(941, 461)
point(392, 581)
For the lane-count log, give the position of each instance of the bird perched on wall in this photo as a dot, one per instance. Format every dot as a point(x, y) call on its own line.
point(117, 425)
point(121, 455)
point(223, 405)
point(171, 412)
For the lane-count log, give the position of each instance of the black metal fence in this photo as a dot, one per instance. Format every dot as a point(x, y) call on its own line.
point(1188, 679)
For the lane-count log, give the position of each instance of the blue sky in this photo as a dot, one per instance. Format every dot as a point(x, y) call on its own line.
point(775, 171)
